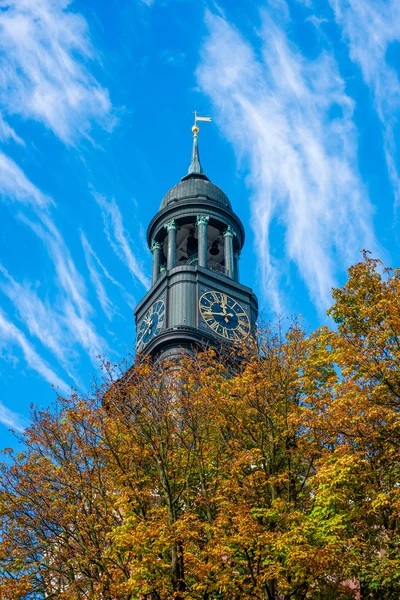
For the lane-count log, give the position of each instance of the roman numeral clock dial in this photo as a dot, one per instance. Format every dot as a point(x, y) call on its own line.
point(151, 324)
point(224, 316)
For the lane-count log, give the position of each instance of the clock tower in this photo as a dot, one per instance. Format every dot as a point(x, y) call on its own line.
point(196, 296)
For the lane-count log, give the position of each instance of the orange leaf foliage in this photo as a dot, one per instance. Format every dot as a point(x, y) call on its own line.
point(272, 476)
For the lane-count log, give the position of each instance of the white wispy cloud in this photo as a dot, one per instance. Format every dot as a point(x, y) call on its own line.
point(371, 27)
point(7, 132)
point(98, 272)
point(119, 239)
point(45, 58)
point(173, 58)
point(11, 335)
point(95, 277)
point(71, 324)
point(290, 120)
point(38, 316)
point(16, 187)
point(41, 319)
point(74, 305)
point(11, 419)
point(43, 49)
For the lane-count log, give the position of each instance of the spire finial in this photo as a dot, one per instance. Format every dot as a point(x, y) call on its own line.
point(195, 165)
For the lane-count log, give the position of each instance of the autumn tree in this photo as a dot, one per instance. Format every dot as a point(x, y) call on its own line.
point(217, 473)
point(359, 478)
point(57, 504)
point(272, 473)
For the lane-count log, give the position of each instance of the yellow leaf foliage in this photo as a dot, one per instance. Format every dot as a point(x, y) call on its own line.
point(268, 472)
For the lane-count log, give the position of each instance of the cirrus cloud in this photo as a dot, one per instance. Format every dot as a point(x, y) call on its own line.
point(43, 49)
point(290, 119)
point(9, 418)
point(372, 28)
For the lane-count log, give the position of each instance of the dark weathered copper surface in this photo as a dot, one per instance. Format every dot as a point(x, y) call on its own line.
point(195, 186)
point(180, 281)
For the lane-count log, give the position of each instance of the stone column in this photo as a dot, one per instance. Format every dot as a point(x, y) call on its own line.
point(171, 227)
point(156, 250)
point(228, 250)
point(201, 223)
point(236, 258)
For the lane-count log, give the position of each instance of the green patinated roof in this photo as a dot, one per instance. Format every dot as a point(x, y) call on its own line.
point(193, 186)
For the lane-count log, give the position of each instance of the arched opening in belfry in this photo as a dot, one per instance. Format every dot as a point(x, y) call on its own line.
point(187, 246)
point(198, 240)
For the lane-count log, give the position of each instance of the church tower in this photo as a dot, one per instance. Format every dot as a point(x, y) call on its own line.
point(195, 297)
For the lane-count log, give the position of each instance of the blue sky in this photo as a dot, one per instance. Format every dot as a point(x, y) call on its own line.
point(96, 103)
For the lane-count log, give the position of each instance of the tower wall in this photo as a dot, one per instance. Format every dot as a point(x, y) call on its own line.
point(182, 292)
point(196, 298)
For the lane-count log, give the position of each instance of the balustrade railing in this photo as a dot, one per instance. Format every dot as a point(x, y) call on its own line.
point(212, 264)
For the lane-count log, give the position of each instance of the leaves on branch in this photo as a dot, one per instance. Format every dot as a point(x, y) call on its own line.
point(275, 476)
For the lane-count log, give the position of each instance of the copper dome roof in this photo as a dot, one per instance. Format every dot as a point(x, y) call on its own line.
point(196, 186)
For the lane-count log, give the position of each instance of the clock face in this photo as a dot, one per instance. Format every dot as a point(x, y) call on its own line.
point(151, 324)
point(224, 315)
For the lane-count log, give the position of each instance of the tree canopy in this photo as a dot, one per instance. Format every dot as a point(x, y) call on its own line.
point(276, 476)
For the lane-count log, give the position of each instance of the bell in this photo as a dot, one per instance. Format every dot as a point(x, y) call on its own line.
point(191, 244)
point(214, 250)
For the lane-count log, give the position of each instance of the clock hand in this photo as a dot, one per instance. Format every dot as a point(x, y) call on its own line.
point(223, 314)
point(223, 302)
point(224, 311)
point(214, 312)
point(226, 316)
point(149, 323)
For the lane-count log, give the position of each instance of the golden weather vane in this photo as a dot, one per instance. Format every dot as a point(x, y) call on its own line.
point(195, 127)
